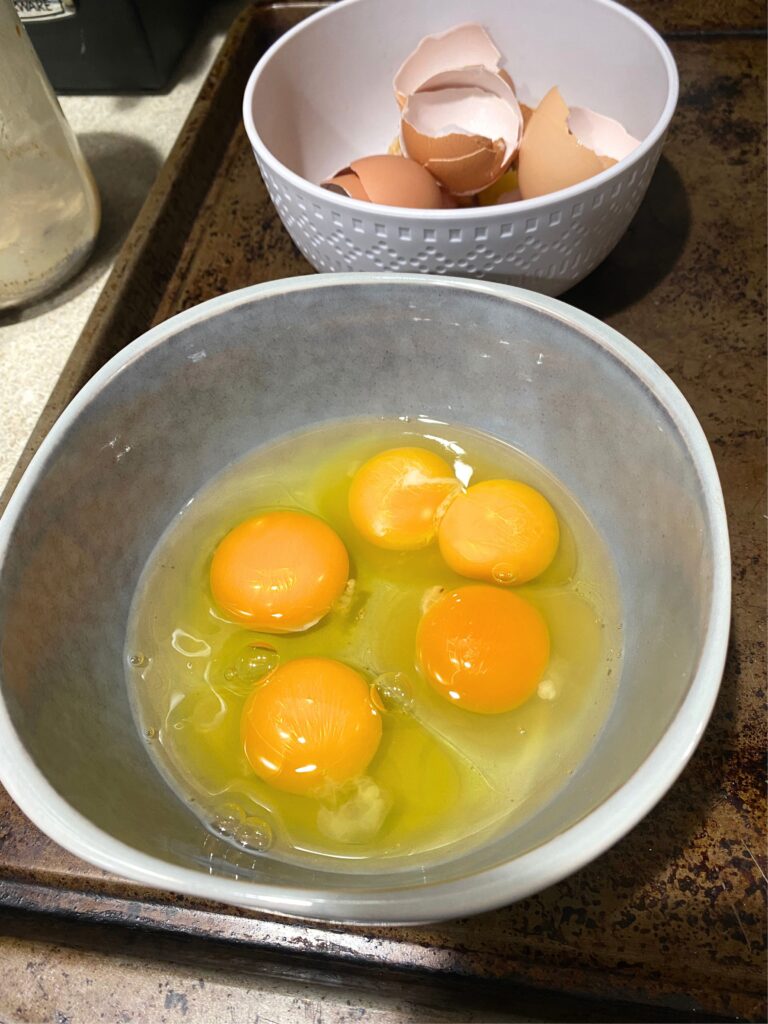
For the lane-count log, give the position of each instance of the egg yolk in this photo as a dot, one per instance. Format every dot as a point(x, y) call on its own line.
point(482, 648)
point(310, 724)
point(396, 498)
point(506, 183)
point(501, 531)
point(279, 572)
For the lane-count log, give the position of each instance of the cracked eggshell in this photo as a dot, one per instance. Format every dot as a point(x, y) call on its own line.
point(551, 158)
point(473, 77)
point(462, 46)
point(345, 183)
point(388, 180)
point(526, 112)
point(464, 126)
point(604, 136)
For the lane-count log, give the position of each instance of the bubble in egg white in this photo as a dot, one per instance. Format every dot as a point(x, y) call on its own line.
point(391, 692)
point(256, 662)
point(547, 690)
point(504, 573)
point(254, 834)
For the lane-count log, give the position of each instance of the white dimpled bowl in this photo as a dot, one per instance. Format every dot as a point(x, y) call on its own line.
point(322, 96)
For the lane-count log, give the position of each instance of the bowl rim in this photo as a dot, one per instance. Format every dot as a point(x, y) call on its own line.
point(501, 884)
point(523, 206)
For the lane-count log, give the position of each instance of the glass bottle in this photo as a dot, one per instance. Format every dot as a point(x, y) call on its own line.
point(49, 206)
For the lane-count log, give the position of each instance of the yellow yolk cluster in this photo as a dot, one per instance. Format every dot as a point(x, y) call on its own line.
point(395, 498)
point(311, 723)
point(482, 648)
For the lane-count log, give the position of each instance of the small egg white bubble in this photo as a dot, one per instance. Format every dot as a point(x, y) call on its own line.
point(547, 690)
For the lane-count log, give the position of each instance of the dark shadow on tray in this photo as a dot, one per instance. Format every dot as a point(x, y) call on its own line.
point(645, 255)
point(124, 169)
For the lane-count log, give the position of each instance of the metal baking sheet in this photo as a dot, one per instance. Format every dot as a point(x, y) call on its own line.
point(673, 917)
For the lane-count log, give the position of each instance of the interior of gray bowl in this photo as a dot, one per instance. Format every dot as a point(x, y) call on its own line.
point(201, 392)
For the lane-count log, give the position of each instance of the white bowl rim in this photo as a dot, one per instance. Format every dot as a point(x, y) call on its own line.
point(523, 206)
point(502, 884)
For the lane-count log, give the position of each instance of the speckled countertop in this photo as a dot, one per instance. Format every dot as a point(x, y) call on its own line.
point(125, 140)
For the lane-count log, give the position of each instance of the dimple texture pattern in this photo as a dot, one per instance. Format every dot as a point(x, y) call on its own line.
point(547, 251)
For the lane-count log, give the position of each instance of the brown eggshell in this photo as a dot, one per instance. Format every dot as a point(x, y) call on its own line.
point(463, 164)
point(347, 184)
point(464, 126)
point(476, 77)
point(550, 157)
point(461, 46)
point(397, 181)
point(506, 77)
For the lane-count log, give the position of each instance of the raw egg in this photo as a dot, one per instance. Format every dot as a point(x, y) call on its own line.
point(482, 648)
point(309, 725)
point(279, 572)
point(501, 531)
point(382, 731)
point(396, 497)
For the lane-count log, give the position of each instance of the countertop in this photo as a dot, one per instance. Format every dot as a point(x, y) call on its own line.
point(70, 971)
point(125, 140)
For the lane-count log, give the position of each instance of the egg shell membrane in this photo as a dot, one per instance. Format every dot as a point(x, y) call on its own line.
point(473, 77)
point(461, 46)
point(606, 137)
point(464, 162)
point(551, 158)
point(482, 79)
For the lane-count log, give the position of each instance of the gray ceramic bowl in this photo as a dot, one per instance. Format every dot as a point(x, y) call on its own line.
point(202, 389)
